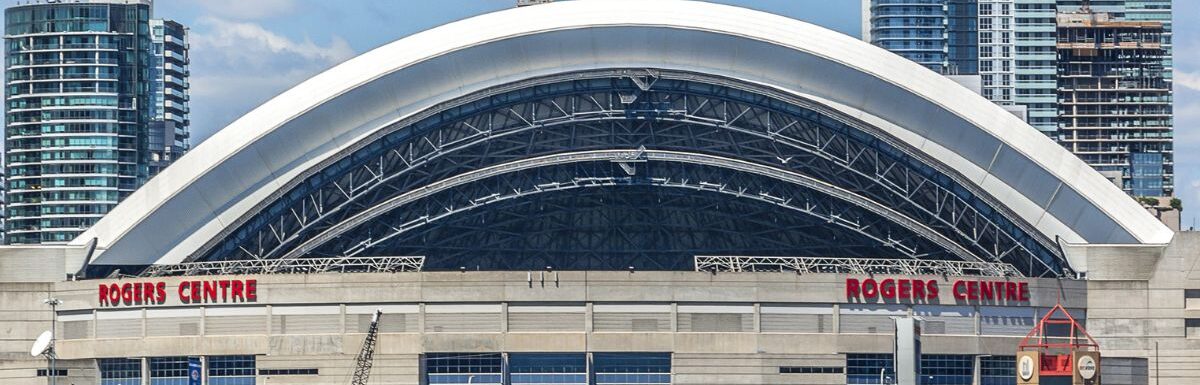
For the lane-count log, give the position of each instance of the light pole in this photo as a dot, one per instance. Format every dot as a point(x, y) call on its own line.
point(50, 353)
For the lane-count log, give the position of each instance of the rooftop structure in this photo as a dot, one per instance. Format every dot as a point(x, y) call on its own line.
point(396, 178)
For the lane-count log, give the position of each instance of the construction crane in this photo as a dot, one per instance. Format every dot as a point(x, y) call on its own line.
point(366, 356)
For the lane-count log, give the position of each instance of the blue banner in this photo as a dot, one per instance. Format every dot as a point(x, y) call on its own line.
point(195, 371)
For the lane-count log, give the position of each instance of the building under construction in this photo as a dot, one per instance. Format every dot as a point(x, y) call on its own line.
point(1115, 100)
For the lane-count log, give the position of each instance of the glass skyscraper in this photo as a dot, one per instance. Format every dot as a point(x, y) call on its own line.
point(915, 29)
point(78, 86)
point(1008, 44)
point(1035, 83)
point(1123, 129)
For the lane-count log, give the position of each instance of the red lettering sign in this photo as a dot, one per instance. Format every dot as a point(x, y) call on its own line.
point(188, 292)
point(917, 290)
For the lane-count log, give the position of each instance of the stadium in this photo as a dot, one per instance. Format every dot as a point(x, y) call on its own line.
point(616, 192)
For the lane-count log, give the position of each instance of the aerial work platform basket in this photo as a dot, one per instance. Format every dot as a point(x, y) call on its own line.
point(1058, 351)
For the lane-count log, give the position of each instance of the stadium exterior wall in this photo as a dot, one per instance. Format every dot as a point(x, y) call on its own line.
point(1130, 311)
point(493, 302)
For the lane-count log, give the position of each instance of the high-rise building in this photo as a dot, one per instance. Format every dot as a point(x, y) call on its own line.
point(1115, 99)
point(982, 44)
point(915, 29)
point(1035, 85)
point(77, 89)
point(168, 134)
point(1132, 10)
point(996, 50)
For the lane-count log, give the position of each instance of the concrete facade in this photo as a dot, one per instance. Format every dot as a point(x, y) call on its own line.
point(490, 310)
point(1140, 303)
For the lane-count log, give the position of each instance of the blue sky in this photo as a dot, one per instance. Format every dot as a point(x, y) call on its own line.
point(246, 51)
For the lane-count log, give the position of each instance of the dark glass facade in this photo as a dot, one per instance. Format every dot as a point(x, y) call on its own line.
point(936, 369)
point(120, 371)
point(231, 370)
point(463, 368)
point(633, 368)
point(168, 370)
point(998, 370)
point(547, 368)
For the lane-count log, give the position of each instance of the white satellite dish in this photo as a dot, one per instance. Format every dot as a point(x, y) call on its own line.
point(42, 344)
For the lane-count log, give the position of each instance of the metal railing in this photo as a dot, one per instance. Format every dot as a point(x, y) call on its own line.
point(289, 266)
point(849, 265)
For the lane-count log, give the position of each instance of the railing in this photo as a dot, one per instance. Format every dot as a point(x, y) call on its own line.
point(289, 266)
point(848, 265)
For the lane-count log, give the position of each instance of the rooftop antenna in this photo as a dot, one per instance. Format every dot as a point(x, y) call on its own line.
point(44, 344)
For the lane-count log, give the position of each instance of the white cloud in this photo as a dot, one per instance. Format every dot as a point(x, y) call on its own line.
point(243, 64)
point(250, 43)
point(248, 9)
point(1187, 79)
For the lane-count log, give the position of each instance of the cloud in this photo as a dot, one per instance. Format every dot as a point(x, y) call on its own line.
point(248, 9)
point(250, 43)
point(1187, 79)
point(241, 64)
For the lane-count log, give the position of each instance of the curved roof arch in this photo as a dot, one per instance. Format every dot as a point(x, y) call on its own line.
point(248, 163)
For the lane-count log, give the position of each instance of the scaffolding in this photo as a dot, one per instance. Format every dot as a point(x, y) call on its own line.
point(1115, 100)
point(861, 266)
point(289, 266)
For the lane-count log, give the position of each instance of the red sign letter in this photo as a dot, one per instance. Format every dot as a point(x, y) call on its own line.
point(852, 289)
point(960, 292)
point(251, 290)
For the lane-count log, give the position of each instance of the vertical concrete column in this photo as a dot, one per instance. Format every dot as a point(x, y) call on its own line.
point(421, 318)
point(342, 319)
point(587, 318)
point(504, 317)
point(757, 317)
point(144, 322)
point(978, 320)
point(269, 316)
point(976, 375)
point(145, 371)
point(674, 317)
point(837, 323)
point(203, 326)
point(204, 369)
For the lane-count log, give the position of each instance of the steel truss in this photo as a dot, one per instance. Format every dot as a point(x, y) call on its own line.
point(289, 266)
point(661, 111)
point(473, 190)
point(859, 266)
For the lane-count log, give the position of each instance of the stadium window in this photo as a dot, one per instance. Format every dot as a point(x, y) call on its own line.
point(288, 372)
point(631, 368)
point(811, 370)
point(57, 372)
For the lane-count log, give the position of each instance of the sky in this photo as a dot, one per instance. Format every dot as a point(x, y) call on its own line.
point(246, 51)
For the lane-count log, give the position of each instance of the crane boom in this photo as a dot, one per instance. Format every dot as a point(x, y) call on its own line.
point(366, 356)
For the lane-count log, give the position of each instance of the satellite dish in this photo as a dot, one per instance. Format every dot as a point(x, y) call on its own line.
point(42, 344)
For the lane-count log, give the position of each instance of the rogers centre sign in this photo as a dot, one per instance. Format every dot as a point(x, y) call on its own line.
point(920, 290)
point(188, 292)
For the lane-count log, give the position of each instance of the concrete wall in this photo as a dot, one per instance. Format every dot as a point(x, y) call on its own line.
point(1135, 300)
point(570, 304)
point(1139, 308)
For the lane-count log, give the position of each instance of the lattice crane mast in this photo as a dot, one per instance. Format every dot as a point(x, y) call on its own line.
point(366, 356)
